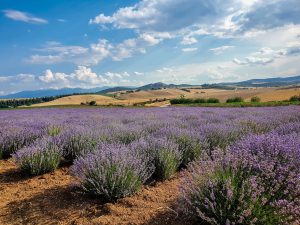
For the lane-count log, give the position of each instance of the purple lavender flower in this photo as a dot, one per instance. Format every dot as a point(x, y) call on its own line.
point(257, 180)
point(40, 157)
point(76, 141)
point(113, 171)
point(162, 153)
point(14, 138)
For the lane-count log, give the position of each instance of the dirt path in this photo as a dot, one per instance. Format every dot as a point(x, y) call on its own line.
point(55, 199)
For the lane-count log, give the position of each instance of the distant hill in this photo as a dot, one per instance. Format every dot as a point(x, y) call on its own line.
point(161, 85)
point(115, 89)
point(153, 86)
point(268, 82)
point(51, 92)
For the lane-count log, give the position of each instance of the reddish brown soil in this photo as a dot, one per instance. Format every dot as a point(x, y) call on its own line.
point(55, 199)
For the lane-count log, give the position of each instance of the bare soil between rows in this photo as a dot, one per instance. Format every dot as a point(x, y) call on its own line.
point(55, 198)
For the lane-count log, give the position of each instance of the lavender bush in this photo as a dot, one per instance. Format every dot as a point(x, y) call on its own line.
point(190, 144)
point(41, 157)
point(113, 171)
point(53, 130)
point(162, 153)
point(257, 182)
point(220, 135)
point(77, 141)
point(15, 138)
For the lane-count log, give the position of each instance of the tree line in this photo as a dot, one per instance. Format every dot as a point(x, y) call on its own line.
point(13, 103)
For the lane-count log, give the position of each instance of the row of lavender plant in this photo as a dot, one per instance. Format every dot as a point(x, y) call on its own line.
point(115, 151)
point(256, 181)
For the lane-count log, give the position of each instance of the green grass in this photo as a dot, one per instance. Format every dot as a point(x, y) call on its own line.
point(242, 104)
point(234, 104)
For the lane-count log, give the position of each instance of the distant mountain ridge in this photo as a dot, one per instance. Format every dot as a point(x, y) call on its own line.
point(51, 92)
point(270, 82)
point(267, 82)
point(115, 89)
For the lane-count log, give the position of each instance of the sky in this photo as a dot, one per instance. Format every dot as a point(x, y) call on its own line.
point(62, 43)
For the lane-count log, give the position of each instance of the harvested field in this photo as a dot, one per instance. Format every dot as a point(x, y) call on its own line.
point(128, 99)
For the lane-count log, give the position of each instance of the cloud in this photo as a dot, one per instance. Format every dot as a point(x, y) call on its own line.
point(62, 20)
point(50, 77)
point(189, 49)
point(164, 70)
point(150, 39)
point(100, 19)
point(267, 55)
point(55, 52)
point(24, 17)
point(187, 18)
point(117, 75)
point(82, 76)
point(138, 73)
point(253, 61)
point(163, 15)
point(220, 50)
point(188, 40)
point(271, 13)
point(155, 21)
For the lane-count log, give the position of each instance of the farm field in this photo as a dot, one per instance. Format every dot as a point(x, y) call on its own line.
point(175, 165)
point(128, 99)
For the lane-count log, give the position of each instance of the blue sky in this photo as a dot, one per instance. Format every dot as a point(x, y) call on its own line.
point(59, 43)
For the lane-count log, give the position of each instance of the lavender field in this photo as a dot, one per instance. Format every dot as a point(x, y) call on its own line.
point(240, 165)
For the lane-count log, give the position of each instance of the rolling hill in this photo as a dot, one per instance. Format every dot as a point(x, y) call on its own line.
point(268, 82)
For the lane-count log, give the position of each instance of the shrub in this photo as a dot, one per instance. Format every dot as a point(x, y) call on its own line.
point(92, 103)
point(125, 135)
point(256, 183)
point(295, 98)
point(113, 171)
point(53, 130)
point(181, 101)
point(288, 128)
point(192, 101)
point(200, 100)
point(255, 99)
point(77, 141)
point(40, 157)
point(250, 126)
point(213, 100)
point(121, 134)
point(189, 144)
point(235, 99)
point(15, 138)
point(164, 155)
point(220, 135)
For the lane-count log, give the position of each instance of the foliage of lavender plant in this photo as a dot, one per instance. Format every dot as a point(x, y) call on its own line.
point(41, 157)
point(113, 171)
point(256, 182)
point(53, 130)
point(163, 154)
point(14, 138)
point(117, 149)
point(190, 143)
point(77, 141)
